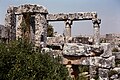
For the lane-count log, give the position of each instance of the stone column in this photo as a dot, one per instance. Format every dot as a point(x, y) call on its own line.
point(96, 27)
point(68, 24)
point(40, 30)
point(18, 30)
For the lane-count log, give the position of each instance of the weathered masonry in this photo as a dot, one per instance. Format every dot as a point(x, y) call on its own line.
point(36, 18)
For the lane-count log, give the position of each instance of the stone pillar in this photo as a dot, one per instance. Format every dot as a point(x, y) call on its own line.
point(45, 24)
point(18, 30)
point(10, 23)
point(40, 30)
point(68, 24)
point(96, 27)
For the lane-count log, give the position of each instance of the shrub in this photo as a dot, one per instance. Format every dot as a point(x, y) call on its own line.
point(18, 61)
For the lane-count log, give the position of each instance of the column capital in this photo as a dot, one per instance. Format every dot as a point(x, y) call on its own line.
point(96, 21)
point(69, 22)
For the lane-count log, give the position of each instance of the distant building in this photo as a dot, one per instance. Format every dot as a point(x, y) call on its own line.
point(114, 39)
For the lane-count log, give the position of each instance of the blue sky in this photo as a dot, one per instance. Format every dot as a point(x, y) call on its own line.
point(108, 11)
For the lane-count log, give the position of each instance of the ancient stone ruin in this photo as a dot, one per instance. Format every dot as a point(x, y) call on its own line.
point(30, 21)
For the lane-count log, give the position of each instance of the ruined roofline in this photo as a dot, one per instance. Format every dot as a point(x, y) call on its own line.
point(72, 16)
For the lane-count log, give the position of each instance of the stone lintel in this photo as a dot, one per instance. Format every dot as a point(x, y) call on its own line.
point(30, 8)
point(72, 16)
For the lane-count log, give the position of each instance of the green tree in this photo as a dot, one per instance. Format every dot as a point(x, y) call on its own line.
point(50, 31)
point(18, 61)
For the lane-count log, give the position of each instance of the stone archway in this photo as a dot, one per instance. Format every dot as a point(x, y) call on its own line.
point(26, 12)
